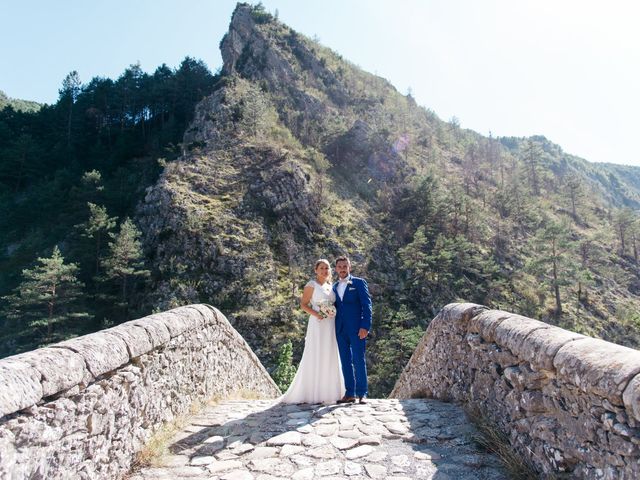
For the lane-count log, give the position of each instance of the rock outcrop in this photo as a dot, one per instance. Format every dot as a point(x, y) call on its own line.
point(238, 220)
point(83, 408)
point(569, 403)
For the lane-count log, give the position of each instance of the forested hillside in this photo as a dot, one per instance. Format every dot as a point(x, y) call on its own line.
point(71, 175)
point(289, 154)
point(17, 104)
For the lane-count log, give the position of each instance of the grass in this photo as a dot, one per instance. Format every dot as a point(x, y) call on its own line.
point(492, 439)
point(158, 445)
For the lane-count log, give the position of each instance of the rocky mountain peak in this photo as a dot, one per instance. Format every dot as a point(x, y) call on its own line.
point(241, 29)
point(249, 48)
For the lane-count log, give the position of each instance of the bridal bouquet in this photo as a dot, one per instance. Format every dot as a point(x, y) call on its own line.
point(327, 309)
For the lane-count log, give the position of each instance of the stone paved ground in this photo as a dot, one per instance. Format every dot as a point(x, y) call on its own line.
point(385, 439)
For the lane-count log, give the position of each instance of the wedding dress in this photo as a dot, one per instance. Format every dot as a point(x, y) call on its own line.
point(319, 377)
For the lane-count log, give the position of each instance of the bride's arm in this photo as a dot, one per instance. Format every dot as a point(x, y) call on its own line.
point(305, 301)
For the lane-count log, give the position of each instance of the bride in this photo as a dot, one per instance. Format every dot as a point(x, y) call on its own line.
point(319, 378)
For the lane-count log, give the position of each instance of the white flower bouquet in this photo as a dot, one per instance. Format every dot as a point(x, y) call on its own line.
point(326, 309)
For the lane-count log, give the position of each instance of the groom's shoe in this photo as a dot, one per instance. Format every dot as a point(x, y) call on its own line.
point(362, 400)
point(346, 399)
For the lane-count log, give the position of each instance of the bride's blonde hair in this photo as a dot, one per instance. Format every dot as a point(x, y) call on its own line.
point(322, 260)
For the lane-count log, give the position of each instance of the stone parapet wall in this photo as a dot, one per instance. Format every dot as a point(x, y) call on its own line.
point(569, 403)
point(83, 408)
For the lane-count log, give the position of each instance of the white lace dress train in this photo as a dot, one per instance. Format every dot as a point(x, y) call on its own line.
point(319, 376)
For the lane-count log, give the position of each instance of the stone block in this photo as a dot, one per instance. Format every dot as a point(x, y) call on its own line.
point(219, 316)
point(134, 336)
point(631, 397)
point(515, 377)
point(207, 312)
point(512, 333)
point(542, 345)
point(60, 368)
point(20, 386)
point(461, 312)
point(486, 323)
point(101, 351)
point(192, 314)
point(598, 367)
point(180, 320)
point(157, 330)
point(533, 401)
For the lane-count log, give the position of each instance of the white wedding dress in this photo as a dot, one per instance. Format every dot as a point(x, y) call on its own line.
point(319, 376)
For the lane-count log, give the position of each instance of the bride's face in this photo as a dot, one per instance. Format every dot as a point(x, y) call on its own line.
point(323, 271)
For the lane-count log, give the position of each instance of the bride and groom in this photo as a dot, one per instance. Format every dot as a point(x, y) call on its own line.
point(333, 368)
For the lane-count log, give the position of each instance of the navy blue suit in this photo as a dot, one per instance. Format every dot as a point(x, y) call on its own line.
point(353, 312)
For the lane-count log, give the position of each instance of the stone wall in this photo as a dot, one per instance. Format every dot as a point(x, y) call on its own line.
point(569, 403)
point(82, 408)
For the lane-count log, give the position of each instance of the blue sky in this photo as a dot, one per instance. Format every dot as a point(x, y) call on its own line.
point(569, 69)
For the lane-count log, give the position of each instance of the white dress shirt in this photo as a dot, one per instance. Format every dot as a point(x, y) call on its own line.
point(342, 287)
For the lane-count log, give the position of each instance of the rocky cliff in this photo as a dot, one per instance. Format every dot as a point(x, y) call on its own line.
point(299, 154)
point(241, 217)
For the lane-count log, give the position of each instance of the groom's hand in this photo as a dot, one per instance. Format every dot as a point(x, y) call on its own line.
point(362, 334)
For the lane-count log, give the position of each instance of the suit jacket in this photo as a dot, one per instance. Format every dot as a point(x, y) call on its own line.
point(353, 312)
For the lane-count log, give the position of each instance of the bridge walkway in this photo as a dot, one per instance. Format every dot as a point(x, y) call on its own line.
point(384, 439)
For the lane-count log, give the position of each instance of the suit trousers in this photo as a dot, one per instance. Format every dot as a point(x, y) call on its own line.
point(354, 367)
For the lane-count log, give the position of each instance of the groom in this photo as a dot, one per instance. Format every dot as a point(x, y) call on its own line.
point(353, 322)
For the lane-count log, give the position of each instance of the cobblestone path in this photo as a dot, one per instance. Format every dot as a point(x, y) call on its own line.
point(384, 439)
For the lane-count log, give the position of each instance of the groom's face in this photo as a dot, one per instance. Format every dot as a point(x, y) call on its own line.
point(343, 268)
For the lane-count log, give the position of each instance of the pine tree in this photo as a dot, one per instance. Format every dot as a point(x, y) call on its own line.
point(397, 335)
point(532, 162)
point(552, 261)
point(285, 371)
point(574, 191)
point(623, 222)
point(69, 94)
point(48, 295)
point(23, 162)
point(255, 111)
point(125, 262)
point(98, 225)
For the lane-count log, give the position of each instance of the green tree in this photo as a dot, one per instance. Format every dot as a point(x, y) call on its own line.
point(531, 157)
point(552, 261)
point(574, 192)
point(285, 371)
point(592, 257)
point(397, 334)
point(124, 263)
point(255, 110)
point(69, 95)
point(23, 161)
point(49, 294)
point(420, 205)
point(454, 127)
point(623, 222)
point(634, 234)
point(97, 228)
point(92, 180)
point(444, 269)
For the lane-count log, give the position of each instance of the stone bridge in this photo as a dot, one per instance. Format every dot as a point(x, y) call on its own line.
point(88, 407)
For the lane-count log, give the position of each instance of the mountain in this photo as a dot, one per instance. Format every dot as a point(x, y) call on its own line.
point(18, 105)
point(300, 154)
point(293, 153)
